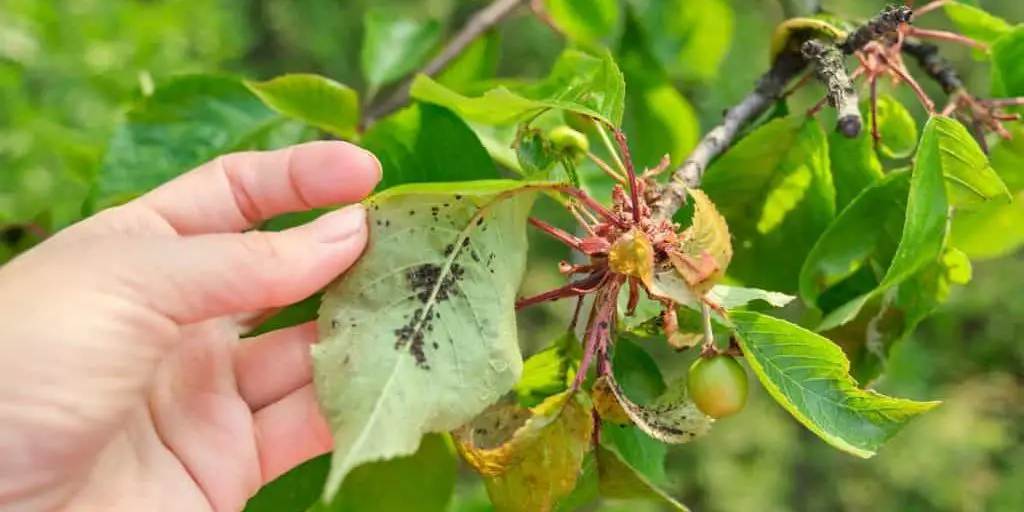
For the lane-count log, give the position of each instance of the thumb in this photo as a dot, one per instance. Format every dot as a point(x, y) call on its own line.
point(201, 277)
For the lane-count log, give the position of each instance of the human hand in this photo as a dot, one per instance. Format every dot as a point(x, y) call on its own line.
point(123, 382)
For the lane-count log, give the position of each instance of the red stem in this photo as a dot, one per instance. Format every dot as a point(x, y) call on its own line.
point(573, 289)
point(558, 234)
point(620, 138)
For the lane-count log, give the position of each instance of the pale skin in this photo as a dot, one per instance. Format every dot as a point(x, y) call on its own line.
point(124, 381)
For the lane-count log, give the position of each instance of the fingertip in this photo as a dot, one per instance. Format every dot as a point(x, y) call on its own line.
point(335, 172)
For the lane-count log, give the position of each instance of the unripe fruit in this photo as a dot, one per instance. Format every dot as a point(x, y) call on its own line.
point(578, 122)
point(718, 385)
point(569, 140)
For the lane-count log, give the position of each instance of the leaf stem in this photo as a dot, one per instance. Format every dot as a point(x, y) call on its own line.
point(607, 141)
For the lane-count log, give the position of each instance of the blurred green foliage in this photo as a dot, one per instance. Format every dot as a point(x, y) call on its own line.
point(69, 69)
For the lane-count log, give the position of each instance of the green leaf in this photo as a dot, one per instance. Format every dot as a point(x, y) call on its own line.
point(586, 21)
point(578, 83)
point(617, 480)
point(864, 236)
point(294, 491)
point(925, 224)
point(422, 482)
point(775, 190)
point(896, 127)
point(808, 375)
point(440, 317)
point(970, 180)
point(549, 371)
point(658, 119)
point(732, 297)
point(691, 39)
point(535, 153)
point(1007, 73)
point(990, 231)
point(855, 166)
point(640, 378)
point(314, 100)
point(977, 23)
point(529, 459)
point(606, 474)
point(479, 61)
point(393, 46)
point(425, 143)
point(185, 122)
point(1007, 158)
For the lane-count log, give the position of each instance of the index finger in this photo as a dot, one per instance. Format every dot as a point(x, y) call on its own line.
point(237, 191)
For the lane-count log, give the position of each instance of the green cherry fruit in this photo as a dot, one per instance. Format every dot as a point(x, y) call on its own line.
point(718, 385)
point(569, 140)
point(578, 122)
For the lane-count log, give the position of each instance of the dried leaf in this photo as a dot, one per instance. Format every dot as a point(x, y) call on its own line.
point(706, 247)
point(529, 458)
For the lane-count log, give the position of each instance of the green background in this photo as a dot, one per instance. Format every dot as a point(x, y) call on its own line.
point(70, 68)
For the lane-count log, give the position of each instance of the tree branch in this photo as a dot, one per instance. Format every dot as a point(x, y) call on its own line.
point(788, 65)
point(934, 65)
point(831, 71)
point(479, 23)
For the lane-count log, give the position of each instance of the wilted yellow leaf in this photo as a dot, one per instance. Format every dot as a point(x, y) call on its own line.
point(529, 458)
point(706, 247)
point(605, 403)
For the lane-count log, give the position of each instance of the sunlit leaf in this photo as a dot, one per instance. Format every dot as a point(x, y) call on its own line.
point(970, 180)
point(532, 459)
point(976, 23)
point(809, 376)
point(314, 100)
point(927, 204)
point(549, 371)
point(394, 45)
point(439, 318)
point(775, 190)
point(426, 143)
point(578, 83)
point(606, 405)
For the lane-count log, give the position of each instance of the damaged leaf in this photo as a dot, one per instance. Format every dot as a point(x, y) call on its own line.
point(705, 248)
point(440, 317)
point(529, 458)
point(671, 418)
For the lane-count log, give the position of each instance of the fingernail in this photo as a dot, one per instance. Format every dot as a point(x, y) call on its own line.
point(377, 165)
point(340, 225)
